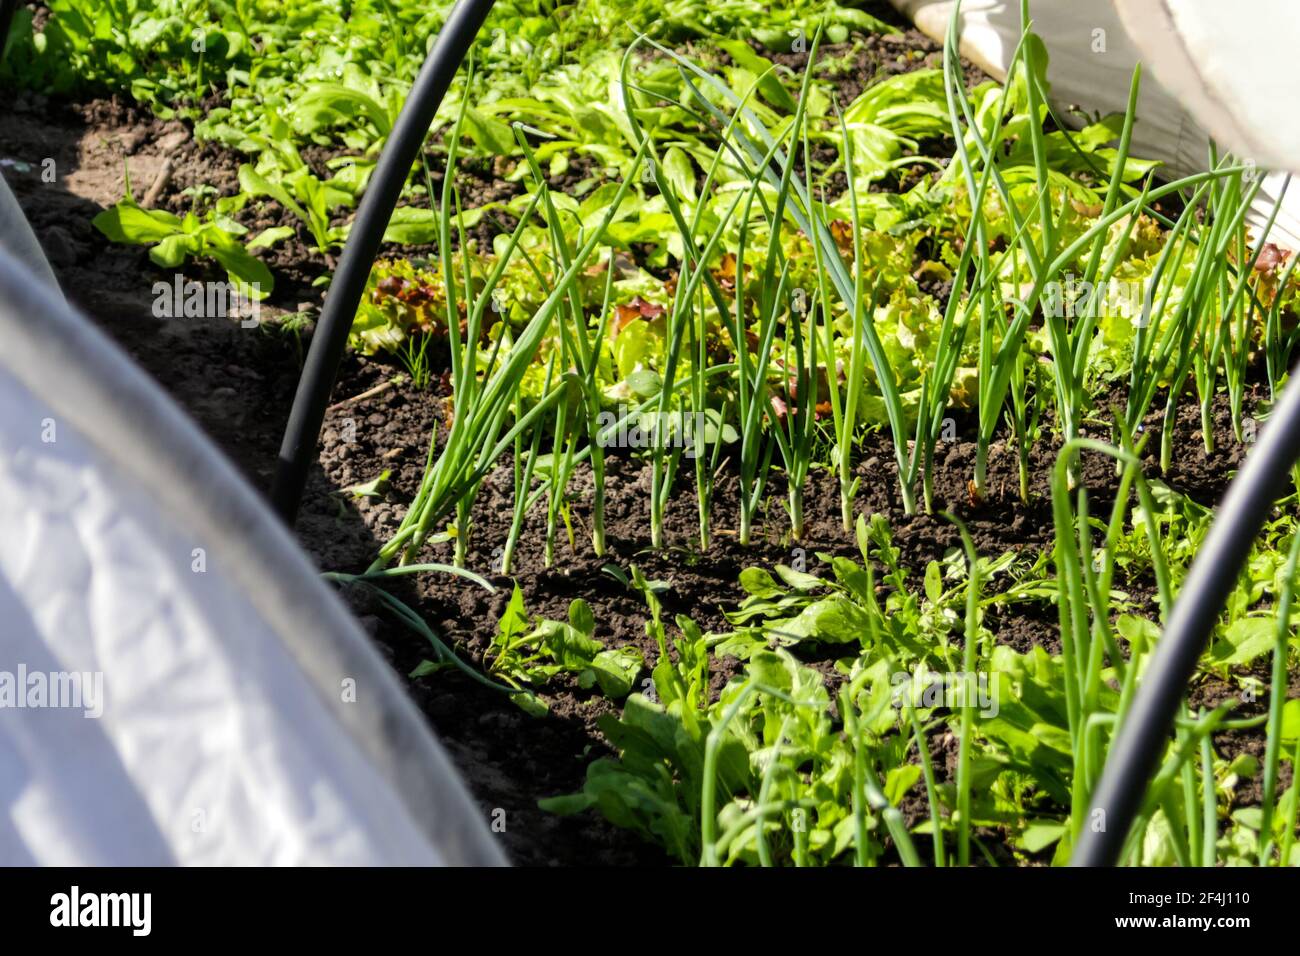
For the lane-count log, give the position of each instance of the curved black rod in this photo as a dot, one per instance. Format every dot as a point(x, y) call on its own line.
point(298, 448)
point(1145, 732)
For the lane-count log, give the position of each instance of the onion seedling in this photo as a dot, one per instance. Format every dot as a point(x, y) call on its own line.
point(968, 695)
point(1243, 335)
point(524, 465)
point(795, 431)
point(1222, 317)
point(1278, 343)
point(1083, 583)
point(472, 446)
point(763, 147)
point(844, 415)
point(682, 320)
point(664, 461)
point(1044, 260)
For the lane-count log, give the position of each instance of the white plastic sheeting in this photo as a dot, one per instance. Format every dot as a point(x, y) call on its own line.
point(17, 239)
point(231, 711)
point(1091, 58)
point(1230, 65)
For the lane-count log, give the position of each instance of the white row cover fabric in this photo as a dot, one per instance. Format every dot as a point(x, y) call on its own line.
point(1091, 58)
point(177, 685)
point(17, 238)
point(1231, 66)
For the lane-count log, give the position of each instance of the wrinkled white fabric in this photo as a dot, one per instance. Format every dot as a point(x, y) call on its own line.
point(212, 747)
point(1231, 68)
point(16, 236)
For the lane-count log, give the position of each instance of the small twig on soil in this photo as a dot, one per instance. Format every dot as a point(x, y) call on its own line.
point(159, 184)
point(368, 393)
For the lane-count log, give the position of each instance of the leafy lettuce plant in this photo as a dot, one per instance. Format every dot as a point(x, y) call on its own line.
point(175, 239)
point(309, 198)
point(522, 655)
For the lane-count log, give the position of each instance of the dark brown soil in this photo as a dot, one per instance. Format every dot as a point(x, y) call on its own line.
point(238, 385)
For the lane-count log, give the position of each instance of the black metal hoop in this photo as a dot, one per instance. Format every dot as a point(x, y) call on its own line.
point(1145, 732)
point(298, 448)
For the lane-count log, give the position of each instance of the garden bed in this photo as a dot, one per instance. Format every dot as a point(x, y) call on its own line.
point(239, 383)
